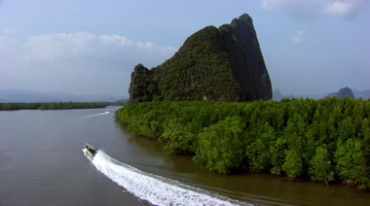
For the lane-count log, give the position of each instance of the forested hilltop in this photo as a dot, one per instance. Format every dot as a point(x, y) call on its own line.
point(217, 64)
point(325, 140)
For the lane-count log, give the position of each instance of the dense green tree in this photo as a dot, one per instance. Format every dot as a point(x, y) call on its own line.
point(346, 129)
point(220, 146)
point(321, 166)
point(293, 163)
point(351, 163)
point(258, 153)
point(179, 139)
point(277, 151)
point(258, 156)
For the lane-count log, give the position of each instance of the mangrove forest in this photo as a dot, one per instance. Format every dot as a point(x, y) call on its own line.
point(325, 140)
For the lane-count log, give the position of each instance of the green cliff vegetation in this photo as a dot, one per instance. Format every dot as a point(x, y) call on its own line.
point(217, 64)
point(324, 140)
point(53, 105)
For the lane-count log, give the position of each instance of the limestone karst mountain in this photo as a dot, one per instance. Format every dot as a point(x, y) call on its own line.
point(214, 64)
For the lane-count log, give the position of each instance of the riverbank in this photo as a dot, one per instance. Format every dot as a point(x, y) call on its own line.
point(324, 140)
point(54, 105)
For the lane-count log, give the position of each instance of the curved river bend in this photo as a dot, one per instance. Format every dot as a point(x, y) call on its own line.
point(41, 164)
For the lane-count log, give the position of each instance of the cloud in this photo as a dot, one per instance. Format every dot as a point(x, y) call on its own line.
point(306, 9)
point(62, 46)
point(338, 8)
point(343, 8)
point(77, 62)
point(300, 9)
point(298, 37)
point(8, 31)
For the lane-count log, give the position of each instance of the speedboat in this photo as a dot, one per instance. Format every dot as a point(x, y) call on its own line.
point(90, 150)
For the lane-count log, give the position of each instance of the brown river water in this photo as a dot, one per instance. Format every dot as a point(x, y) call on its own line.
point(41, 163)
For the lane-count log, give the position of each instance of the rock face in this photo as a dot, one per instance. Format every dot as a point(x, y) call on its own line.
point(215, 64)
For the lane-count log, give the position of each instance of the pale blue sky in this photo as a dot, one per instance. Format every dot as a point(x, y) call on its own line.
point(91, 47)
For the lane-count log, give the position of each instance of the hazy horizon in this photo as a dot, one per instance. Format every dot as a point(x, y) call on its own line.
point(91, 47)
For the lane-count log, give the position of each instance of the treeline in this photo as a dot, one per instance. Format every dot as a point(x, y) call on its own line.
point(324, 140)
point(53, 105)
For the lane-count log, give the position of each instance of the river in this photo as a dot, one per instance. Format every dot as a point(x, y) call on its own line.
point(41, 163)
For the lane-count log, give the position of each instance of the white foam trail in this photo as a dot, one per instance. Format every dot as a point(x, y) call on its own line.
point(96, 115)
point(155, 189)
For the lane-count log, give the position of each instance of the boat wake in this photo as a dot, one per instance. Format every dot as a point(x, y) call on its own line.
point(155, 189)
point(96, 115)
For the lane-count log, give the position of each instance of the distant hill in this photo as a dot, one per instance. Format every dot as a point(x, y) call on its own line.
point(215, 64)
point(365, 94)
point(342, 93)
point(14, 95)
point(277, 95)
